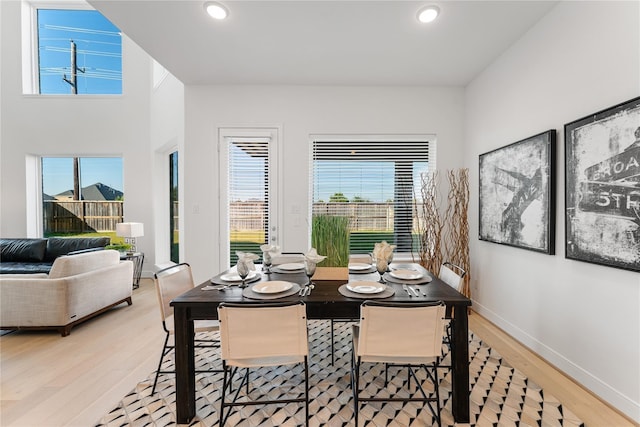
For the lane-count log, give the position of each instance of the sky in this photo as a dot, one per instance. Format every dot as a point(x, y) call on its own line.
point(57, 173)
point(98, 47)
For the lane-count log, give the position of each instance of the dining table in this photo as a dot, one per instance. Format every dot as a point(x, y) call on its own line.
point(328, 300)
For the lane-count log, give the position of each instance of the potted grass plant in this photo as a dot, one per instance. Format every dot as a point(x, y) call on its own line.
point(330, 237)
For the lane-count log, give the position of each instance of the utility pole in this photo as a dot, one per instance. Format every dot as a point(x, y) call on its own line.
point(74, 70)
point(76, 179)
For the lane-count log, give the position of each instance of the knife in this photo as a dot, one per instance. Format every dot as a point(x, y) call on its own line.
point(406, 289)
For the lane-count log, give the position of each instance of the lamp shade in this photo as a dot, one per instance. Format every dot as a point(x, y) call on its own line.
point(130, 229)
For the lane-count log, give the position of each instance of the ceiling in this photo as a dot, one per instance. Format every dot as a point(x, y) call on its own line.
point(326, 42)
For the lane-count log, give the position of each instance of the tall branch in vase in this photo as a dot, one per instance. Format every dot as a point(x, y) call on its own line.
point(430, 225)
point(457, 231)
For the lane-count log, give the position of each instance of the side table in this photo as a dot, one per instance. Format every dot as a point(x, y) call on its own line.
point(138, 259)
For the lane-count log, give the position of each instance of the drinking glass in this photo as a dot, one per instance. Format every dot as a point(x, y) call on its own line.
point(266, 260)
point(309, 270)
point(381, 266)
point(389, 259)
point(243, 272)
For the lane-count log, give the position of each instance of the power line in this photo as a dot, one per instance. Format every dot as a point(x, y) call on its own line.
point(82, 30)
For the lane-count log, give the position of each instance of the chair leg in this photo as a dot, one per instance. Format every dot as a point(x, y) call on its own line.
point(332, 345)
point(164, 353)
point(224, 388)
point(306, 392)
point(355, 378)
point(436, 385)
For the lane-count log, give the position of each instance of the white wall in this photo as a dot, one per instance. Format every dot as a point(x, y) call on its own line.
point(79, 125)
point(167, 135)
point(581, 58)
point(300, 111)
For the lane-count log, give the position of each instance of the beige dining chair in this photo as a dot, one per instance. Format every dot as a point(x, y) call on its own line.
point(398, 334)
point(452, 275)
point(171, 282)
point(255, 335)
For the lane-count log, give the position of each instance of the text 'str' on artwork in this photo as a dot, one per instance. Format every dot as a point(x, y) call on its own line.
point(603, 187)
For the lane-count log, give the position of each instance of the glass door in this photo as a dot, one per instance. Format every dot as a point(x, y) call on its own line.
point(248, 189)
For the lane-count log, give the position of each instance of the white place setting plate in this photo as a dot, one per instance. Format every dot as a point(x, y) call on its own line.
point(406, 274)
point(359, 266)
point(365, 287)
point(272, 287)
point(234, 277)
point(292, 266)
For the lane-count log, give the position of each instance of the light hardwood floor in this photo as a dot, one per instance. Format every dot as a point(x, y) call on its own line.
point(47, 380)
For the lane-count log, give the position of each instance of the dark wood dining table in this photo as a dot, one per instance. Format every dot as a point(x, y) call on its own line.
point(324, 302)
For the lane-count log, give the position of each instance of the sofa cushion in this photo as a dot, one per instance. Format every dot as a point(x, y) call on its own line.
point(8, 268)
point(22, 250)
point(58, 246)
point(71, 265)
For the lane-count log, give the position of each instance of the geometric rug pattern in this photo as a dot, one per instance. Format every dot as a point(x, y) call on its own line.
point(500, 395)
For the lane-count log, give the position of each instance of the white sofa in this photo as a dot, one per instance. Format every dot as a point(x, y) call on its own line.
point(77, 288)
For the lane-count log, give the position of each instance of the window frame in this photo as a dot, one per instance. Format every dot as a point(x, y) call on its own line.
point(30, 56)
point(273, 134)
point(34, 168)
point(430, 139)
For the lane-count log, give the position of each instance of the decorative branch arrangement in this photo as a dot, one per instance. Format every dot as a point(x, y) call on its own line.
point(444, 236)
point(430, 224)
point(457, 232)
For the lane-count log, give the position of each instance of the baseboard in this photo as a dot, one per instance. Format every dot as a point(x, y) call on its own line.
point(584, 378)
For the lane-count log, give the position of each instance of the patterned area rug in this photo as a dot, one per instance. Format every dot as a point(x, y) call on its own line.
point(500, 395)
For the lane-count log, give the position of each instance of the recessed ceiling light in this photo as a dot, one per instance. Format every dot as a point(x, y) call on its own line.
point(428, 14)
point(216, 10)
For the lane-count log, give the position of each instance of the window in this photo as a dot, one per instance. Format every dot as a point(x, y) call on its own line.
point(374, 184)
point(174, 212)
point(81, 195)
point(248, 195)
point(75, 51)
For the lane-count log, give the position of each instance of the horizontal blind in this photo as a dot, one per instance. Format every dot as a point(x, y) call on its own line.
point(372, 183)
point(248, 194)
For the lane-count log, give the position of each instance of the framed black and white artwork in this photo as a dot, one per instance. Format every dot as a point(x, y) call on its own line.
point(517, 194)
point(602, 192)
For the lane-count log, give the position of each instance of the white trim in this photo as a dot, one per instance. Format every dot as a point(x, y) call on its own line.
point(274, 134)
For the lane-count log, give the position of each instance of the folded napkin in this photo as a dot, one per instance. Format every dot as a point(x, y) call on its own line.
point(268, 251)
point(384, 251)
point(312, 256)
point(271, 249)
point(245, 262)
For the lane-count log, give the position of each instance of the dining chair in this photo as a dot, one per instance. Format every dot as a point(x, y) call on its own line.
point(256, 335)
point(452, 275)
point(400, 335)
point(171, 282)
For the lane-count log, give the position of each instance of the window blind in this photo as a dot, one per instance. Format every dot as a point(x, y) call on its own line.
point(248, 195)
point(374, 184)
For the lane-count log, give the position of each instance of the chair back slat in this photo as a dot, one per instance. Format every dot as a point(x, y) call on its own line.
point(255, 331)
point(450, 277)
point(171, 282)
point(392, 331)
